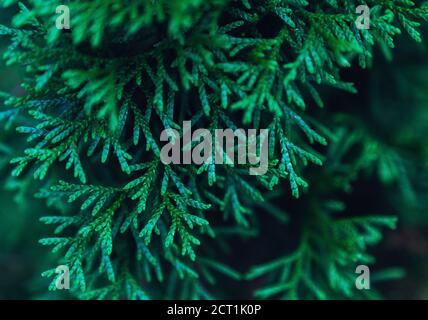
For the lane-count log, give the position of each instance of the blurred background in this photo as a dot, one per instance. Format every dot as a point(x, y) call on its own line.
point(22, 258)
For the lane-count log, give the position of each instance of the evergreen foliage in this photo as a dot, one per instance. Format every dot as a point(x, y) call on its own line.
point(131, 227)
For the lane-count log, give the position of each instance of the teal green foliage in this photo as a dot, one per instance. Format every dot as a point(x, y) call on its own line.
point(343, 242)
point(97, 98)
